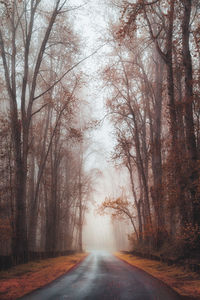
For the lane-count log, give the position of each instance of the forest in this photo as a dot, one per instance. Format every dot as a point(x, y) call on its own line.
point(153, 81)
point(150, 74)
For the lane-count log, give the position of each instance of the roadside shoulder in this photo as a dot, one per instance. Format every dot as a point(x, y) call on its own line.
point(186, 283)
point(23, 279)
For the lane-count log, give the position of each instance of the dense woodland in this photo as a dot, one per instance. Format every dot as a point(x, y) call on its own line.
point(151, 74)
point(153, 77)
point(43, 185)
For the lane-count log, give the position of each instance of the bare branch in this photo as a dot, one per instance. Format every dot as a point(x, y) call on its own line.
point(69, 70)
point(72, 8)
point(37, 111)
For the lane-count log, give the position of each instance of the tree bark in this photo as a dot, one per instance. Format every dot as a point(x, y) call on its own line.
point(189, 119)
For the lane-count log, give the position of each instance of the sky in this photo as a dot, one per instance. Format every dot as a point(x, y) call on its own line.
point(90, 22)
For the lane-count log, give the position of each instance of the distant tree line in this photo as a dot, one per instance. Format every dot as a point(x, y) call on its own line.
point(153, 81)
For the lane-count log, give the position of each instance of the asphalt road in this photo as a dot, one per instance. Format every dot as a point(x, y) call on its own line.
point(101, 276)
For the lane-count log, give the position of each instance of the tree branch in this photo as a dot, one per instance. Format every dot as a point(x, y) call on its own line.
point(37, 111)
point(69, 70)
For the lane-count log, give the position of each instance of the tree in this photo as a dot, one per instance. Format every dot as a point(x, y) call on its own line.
point(120, 207)
point(26, 71)
point(153, 61)
point(188, 112)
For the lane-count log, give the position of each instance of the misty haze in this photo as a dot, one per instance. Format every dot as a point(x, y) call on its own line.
point(100, 149)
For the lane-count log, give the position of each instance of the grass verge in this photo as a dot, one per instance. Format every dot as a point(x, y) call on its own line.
point(23, 279)
point(185, 282)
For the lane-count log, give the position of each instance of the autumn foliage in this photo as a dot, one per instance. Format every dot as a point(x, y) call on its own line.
point(23, 279)
point(152, 76)
point(42, 187)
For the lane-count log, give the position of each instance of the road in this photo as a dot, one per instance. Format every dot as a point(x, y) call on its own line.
point(101, 276)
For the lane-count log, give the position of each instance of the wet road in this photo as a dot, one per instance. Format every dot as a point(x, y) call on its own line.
point(101, 276)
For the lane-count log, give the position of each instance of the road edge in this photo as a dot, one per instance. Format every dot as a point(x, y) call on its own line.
point(164, 283)
point(57, 278)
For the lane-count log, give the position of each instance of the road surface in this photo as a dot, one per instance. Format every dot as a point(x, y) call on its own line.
point(101, 276)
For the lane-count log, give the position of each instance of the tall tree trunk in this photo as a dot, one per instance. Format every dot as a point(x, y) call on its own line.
point(157, 190)
point(189, 120)
point(80, 212)
point(20, 244)
point(136, 201)
point(141, 169)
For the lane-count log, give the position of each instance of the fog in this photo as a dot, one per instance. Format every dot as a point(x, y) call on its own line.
point(101, 231)
point(99, 127)
point(98, 232)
